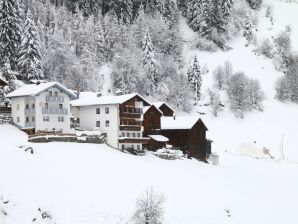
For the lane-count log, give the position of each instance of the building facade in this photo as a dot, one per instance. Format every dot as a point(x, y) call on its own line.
point(43, 107)
point(120, 118)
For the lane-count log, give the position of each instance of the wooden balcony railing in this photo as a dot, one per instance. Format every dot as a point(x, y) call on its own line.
point(134, 140)
point(130, 128)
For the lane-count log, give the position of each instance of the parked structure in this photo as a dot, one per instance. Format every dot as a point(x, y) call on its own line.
point(188, 134)
point(42, 107)
point(119, 117)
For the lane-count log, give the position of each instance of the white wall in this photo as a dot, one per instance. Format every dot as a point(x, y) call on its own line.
point(15, 112)
point(88, 118)
point(53, 122)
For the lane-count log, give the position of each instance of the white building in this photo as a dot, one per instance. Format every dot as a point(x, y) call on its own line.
point(42, 107)
point(119, 117)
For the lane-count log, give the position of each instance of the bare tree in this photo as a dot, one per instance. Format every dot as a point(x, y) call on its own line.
point(150, 208)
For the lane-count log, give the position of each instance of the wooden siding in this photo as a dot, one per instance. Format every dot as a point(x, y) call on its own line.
point(167, 111)
point(154, 145)
point(152, 121)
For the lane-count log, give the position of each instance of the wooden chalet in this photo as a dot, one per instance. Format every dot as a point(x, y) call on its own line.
point(151, 123)
point(166, 110)
point(188, 134)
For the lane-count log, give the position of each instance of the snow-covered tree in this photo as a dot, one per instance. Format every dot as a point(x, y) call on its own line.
point(123, 9)
point(255, 4)
point(149, 61)
point(282, 43)
point(29, 62)
point(255, 95)
point(10, 76)
point(237, 93)
point(219, 77)
point(248, 30)
point(194, 75)
point(150, 208)
point(10, 32)
point(215, 103)
point(226, 8)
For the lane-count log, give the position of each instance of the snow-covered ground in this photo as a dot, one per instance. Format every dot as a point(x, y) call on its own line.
point(91, 184)
point(278, 119)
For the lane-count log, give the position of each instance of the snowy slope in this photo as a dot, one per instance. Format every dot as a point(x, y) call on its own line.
point(91, 184)
point(278, 119)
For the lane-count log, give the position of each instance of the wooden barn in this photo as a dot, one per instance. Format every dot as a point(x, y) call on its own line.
point(187, 134)
point(151, 123)
point(166, 110)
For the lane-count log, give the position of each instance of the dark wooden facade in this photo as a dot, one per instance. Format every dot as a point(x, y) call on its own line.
point(152, 121)
point(2, 82)
point(191, 141)
point(154, 145)
point(166, 110)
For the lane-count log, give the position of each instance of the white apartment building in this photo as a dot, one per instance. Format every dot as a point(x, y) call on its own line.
point(42, 107)
point(119, 117)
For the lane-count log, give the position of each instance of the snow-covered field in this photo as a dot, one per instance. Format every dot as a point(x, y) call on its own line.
point(91, 184)
point(278, 119)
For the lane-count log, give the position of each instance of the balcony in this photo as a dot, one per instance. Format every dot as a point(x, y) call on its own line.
point(30, 111)
point(29, 124)
point(54, 111)
point(130, 127)
point(59, 99)
point(133, 140)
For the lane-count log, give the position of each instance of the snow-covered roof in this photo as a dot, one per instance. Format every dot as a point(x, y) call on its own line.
point(179, 122)
point(148, 107)
point(104, 100)
point(87, 94)
point(159, 104)
point(159, 138)
point(34, 89)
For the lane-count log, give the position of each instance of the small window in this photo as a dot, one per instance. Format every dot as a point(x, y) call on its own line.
point(18, 119)
point(123, 134)
point(27, 119)
point(138, 147)
point(56, 94)
point(33, 105)
point(50, 93)
point(139, 135)
point(133, 135)
point(46, 118)
point(60, 106)
point(128, 134)
point(46, 105)
point(107, 123)
point(97, 123)
point(60, 119)
point(107, 110)
point(27, 106)
point(33, 119)
point(97, 110)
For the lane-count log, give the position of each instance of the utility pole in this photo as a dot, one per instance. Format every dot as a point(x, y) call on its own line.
point(282, 156)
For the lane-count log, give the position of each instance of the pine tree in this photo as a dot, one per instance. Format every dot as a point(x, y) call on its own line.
point(9, 75)
point(149, 61)
point(194, 13)
point(183, 7)
point(255, 4)
point(122, 9)
point(29, 63)
point(10, 32)
point(205, 19)
point(248, 32)
point(194, 75)
point(226, 7)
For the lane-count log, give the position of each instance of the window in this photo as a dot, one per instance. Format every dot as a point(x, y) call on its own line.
point(27, 106)
point(56, 94)
point(128, 134)
point(18, 119)
point(46, 105)
point(18, 106)
point(97, 123)
point(107, 110)
point(123, 134)
point(60, 106)
point(133, 135)
point(138, 147)
point(50, 93)
point(60, 119)
point(97, 110)
point(33, 105)
point(46, 118)
point(27, 119)
point(139, 135)
point(107, 123)
point(33, 119)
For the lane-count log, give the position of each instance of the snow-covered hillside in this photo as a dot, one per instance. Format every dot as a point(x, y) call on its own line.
point(90, 184)
point(278, 119)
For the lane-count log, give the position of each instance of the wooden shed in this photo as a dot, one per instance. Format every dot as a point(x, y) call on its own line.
point(166, 110)
point(187, 134)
